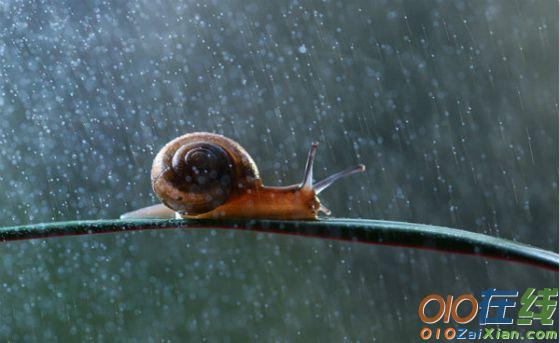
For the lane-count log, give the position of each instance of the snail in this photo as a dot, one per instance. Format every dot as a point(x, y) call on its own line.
point(208, 176)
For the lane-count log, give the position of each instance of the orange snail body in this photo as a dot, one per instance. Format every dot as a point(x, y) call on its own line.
point(204, 175)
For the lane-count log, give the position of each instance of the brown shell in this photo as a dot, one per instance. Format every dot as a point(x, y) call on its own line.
point(175, 191)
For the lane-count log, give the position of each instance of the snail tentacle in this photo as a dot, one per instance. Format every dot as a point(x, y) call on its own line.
point(308, 176)
point(325, 183)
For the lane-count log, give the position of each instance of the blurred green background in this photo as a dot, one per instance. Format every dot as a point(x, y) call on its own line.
point(452, 106)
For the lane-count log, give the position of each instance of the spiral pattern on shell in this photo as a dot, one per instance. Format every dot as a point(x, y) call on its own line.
point(198, 172)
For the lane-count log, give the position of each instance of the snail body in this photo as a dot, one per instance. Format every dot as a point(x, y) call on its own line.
point(208, 176)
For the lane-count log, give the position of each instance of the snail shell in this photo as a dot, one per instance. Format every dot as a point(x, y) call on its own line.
point(197, 172)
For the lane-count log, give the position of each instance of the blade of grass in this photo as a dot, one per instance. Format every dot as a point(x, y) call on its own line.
point(400, 234)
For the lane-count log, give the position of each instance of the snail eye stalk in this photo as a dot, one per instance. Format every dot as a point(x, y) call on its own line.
point(325, 183)
point(308, 177)
point(318, 187)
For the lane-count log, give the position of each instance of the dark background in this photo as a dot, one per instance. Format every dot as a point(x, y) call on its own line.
point(451, 105)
